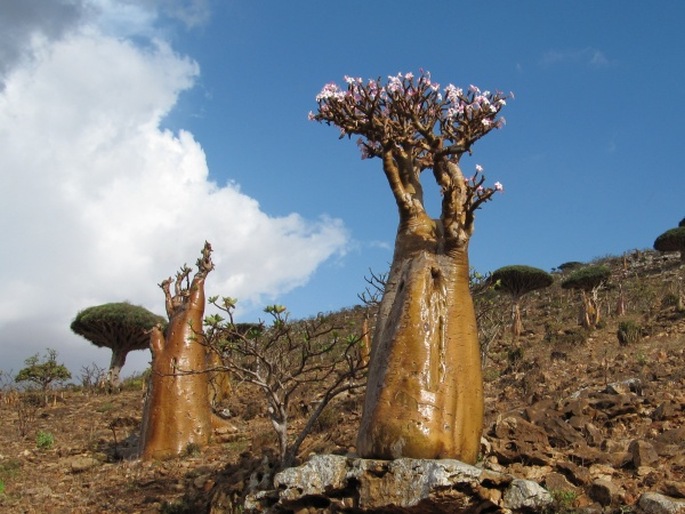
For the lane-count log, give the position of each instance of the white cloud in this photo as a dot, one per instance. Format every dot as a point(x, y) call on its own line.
point(99, 204)
point(588, 56)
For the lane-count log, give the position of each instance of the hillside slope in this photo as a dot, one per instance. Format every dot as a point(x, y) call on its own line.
point(596, 422)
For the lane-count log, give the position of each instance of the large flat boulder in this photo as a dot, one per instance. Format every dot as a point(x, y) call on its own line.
point(333, 483)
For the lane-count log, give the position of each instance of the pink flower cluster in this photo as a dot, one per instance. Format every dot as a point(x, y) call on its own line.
point(415, 112)
point(457, 106)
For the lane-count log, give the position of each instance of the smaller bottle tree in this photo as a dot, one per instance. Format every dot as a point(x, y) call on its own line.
point(518, 281)
point(43, 373)
point(588, 281)
point(177, 410)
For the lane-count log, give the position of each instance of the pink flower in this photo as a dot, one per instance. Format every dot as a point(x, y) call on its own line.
point(311, 116)
point(394, 84)
point(330, 90)
point(453, 93)
point(499, 186)
point(479, 168)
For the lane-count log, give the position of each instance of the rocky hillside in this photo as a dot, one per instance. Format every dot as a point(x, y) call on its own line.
point(596, 422)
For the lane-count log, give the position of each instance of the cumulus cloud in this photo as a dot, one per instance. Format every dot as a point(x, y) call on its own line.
point(99, 203)
point(20, 21)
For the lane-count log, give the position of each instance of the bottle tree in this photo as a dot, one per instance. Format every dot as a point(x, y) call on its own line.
point(425, 394)
point(177, 407)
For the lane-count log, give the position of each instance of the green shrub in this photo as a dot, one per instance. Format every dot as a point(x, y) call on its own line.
point(515, 355)
point(9, 469)
point(562, 502)
point(669, 300)
point(192, 450)
point(136, 382)
point(629, 332)
point(44, 440)
point(43, 373)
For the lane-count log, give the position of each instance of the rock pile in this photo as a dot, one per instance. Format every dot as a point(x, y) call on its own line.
point(333, 483)
point(602, 447)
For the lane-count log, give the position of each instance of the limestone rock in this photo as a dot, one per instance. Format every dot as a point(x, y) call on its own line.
point(524, 493)
point(655, 503)
point(81, 463)
point(333, 483)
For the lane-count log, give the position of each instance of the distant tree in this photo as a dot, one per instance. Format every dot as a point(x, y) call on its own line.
point(519, 280)
point(282, 359)
point(588, 281)
point(425, 343)
point(43, 373)
point(177, 410)
point(672, 240)
point(123, 327)
point(570, 266)
point(488, 311)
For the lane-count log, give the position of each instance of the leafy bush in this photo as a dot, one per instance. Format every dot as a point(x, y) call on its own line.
point(43, 373)
point(629, 332)
point(44, 440)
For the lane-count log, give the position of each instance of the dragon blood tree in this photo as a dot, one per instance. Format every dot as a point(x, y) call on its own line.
point(177, 408)
point(424, 397)
point(518, 281)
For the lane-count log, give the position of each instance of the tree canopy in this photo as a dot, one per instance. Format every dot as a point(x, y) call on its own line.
point(121, 326)
point(672, 240)
point(116, 325)
point(43, 373)
point(519, 280)
point(587, 279)
point(413, 124)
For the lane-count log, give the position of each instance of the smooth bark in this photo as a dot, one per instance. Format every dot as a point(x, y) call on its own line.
point(424, 398)
point(116, 363)
point(177, 411)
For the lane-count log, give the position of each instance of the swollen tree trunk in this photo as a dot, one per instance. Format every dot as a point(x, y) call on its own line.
point(177, 410)
point(424, 396)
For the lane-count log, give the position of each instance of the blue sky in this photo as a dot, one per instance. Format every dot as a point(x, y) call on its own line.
point(589, 157)
point(133, 131)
